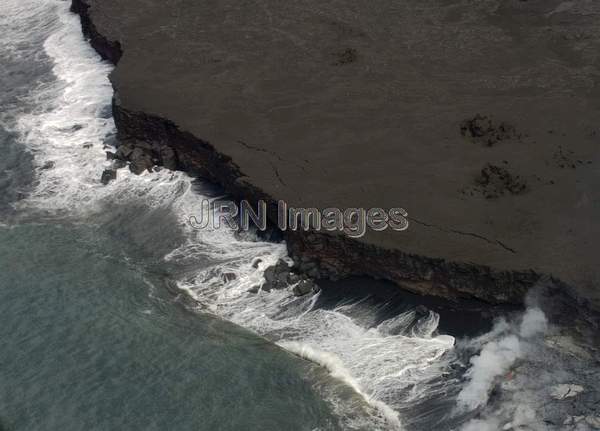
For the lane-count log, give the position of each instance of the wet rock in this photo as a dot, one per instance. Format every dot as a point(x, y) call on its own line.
point(140, 161)
point(276, 276)
point(296, 259)
point(314, 273)
point(254, 289)
point(118, 164)
point(124, 151)
point(305, 287)
point(256, 263)
point(108, 175)
point(110, 155)
point(48, 165)
point(293, 278)
point(307, 266)
point(168, 158)
point(561, 392)
point(146, 146)
point(88, 146)
point(271, 235)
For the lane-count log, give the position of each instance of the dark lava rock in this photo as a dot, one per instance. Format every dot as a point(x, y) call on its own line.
point(168, 158)
point(483, 129)
point(140, 161)
point(256, 263)
point(305, 287)
point(495, 181)
point(144, 155)
point(108, 175)
point(124, 151)
point(314, 273)
point(276, 276)
point(48, 165)
point(118, 164)
point(347, 56)
point(254, 289)
point(293, 278)
point(565, 158)
point(280, 276)
point(421, 311)
point(381, 125)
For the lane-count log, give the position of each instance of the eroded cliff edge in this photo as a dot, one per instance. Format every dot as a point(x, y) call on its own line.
point(496, 270)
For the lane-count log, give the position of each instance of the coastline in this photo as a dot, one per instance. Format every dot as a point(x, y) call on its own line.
point(322, 256)
point(133, 282)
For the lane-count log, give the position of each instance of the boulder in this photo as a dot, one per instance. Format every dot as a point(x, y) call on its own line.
point(118, 164)
point(561, 392)
point(140, 161)
point(276, 276)
point(293, 278)
point(168, 158)
point(305, 287)
point(108, 175)
point(124, 151)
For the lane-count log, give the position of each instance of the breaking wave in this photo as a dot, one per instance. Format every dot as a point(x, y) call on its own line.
point(393, 365)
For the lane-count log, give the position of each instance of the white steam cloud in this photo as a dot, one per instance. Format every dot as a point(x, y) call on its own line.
point(500, 350)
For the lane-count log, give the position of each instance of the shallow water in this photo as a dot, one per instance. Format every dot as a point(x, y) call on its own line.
point(115, 313)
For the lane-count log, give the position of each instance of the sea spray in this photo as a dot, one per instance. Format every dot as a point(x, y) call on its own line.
point(70, 133)
point(337, 369)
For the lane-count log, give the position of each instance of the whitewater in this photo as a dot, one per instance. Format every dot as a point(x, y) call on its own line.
point(397, 372)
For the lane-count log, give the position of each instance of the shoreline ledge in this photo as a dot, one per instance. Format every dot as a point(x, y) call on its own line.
point(482, 121)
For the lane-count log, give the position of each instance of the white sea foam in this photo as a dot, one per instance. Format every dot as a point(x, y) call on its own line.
point(67, 134)
point(339, 371)
point(392, 366)
point(387, 368)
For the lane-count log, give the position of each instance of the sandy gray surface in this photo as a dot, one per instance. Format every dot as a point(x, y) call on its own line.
point(360, 104)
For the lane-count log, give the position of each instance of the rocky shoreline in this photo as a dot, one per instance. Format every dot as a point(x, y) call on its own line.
point(147, 140)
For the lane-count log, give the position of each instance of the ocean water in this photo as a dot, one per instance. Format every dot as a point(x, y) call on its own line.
point(116, 314)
